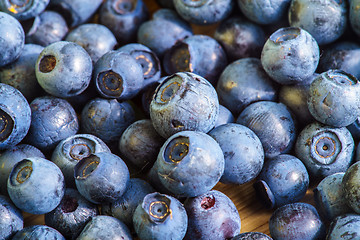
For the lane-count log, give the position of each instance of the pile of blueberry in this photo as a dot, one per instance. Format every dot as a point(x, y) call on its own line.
point(116, 124)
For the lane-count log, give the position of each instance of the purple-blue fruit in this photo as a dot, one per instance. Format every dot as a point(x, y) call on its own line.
point(351, 186)
point(225, 116)
point(11, 219)
point(345, 227)
point(252, 236)
point(354, 16)
point(212, 215)
point(36, 185)
point(38, 232)
point(23, 10)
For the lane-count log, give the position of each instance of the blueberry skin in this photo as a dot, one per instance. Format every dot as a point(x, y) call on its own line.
point(106, 118)
point(38, 232)
point(12, 39)
point(24, 10)
point(204, 12)
point(15, 116)
point(11, 219)
point(212, 215)
point(324, 149)
point(354, 16)
point(295, 98)
point(48, 27)
point(72, 214)
point(105, 227)
point(74, 148)
point(160, 216)
point(282, 180)
point(63, 69)
point(264, 12)
point(329, 197)
point(124, 207)
point(10, 157)
point(21, 73)
point(184, 101)
point(190, 163)
point(290, 55)
point(225, 116)
point(199, 54)
point(296, 221)
point(243, 152)
point(252, 236)
point(243, 82)
point(346, 226)
point(101, 177)
point(75, 12)
point(240, 38)
point(140, 144)
point(147, 94)
point(52, 120)
point(167, 24)
point(95, 44)
point(36, 185)
point(334, 98)
point(343, 56)
point(123, 18)
point(118, 75)
point(354, 129)
point(273, 124)
point(350, 186)
point(148, 60)
point(325, 20)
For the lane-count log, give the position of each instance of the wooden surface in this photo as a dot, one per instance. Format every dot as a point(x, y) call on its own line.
point(254, 216)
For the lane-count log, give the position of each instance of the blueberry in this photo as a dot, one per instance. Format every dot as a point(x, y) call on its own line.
point(283, 180)
point(12, 38)
point(160, 216)
point(343, 56)
point(95, 44)
point(148, 60)
point(147, 94)
point(262, 11)
point(101, 177)
point(350, 186)
point(296, 221)
point(105, 227)
point(124, 207)
point(243, 82)
point(199, 54)
point(329, 197)
point(290, 55)
point(63, 69)
point(354, 129)
point(184, 101)
point(334, 98)
point(48, 27)
point(38, 232)
point(11, 219)
point(324, 149)
point(52, 120)
point(36, 185)
point(21, 73)
point(140, 144)
point(23, 10)
point(15, 116)
point(118, 75)
point(346, 226)
point(123, 18)
point(225, 116)
point(74, 148)
point(273, 124)
point(163, 31)
point(75, 12)
point(354, 16)
point(324, 20)
point(252, 236)
point(204, 12)
point(10, 157)
point(106, 118)
point(243, 152)
point(240, 38)
point(212, 215)
point(190, 163)
point(72, 214)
